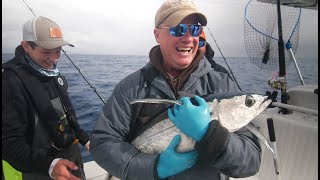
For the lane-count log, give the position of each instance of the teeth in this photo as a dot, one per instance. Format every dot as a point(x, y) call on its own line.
point(184, 49)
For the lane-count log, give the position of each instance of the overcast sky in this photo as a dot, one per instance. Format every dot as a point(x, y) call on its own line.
point(125, 27)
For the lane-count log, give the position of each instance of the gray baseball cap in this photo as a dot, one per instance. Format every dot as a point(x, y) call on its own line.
point(172, 12)
point(44, 32)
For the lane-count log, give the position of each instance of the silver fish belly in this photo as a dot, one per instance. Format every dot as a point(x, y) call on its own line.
point(233, 113)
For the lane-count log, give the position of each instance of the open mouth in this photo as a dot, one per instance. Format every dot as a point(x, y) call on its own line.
point(266, 101)
point(184, 50)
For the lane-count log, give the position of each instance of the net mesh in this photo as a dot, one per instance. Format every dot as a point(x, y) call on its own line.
point(261, 33)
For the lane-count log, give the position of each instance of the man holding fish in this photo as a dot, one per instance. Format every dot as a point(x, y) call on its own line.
point(177, 69)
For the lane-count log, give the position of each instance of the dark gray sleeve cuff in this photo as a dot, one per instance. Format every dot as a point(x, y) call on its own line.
point(213, 142)
point(155, 171)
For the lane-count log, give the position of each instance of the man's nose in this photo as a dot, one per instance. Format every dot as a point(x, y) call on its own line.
point(187, 37)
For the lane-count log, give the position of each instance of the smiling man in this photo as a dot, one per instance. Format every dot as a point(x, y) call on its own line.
point(40, 132)
point(179, 47)
point(176, 68)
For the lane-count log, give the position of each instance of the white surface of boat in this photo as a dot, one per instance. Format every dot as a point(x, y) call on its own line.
point(94, 172)
point(296, 139)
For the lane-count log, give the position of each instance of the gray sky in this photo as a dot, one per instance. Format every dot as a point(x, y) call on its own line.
point(125, 27)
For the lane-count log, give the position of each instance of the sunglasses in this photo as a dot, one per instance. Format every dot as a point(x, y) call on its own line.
point(181, 30)
point(202, 43)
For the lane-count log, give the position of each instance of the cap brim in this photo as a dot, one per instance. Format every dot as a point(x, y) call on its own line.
point(52, 44)
point(176, 18)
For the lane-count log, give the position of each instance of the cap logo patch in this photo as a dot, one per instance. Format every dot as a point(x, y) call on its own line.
point(55, 32)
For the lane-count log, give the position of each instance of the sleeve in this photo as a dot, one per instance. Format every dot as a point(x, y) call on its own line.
point(109, 140)
point(17, 128)
point(235, 154)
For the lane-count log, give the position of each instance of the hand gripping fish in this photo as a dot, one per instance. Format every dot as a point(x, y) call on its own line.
point(233, 110)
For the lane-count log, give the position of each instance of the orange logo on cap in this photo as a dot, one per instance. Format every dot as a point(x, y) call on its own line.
point(203, 35)
point(55, 32)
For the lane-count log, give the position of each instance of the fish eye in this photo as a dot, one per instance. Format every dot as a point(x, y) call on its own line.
point(249, 101)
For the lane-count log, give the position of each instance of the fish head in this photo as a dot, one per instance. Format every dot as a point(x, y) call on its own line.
point(236, 112)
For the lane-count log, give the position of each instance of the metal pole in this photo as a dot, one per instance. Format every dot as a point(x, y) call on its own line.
point(296, 65)
point(295, 108)
point(282, 62)
point(282, 70)
point(272, 137)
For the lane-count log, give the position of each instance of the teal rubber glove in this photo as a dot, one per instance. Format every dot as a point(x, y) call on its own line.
point(192, 120)
point(171, 162)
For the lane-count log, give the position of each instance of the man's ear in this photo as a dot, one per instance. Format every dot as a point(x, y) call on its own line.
point(27, 48)
point(156, 33)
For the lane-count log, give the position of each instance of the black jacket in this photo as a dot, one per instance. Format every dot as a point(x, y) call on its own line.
point(20, 132)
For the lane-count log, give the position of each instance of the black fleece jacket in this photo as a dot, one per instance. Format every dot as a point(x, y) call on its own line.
point(18, 120)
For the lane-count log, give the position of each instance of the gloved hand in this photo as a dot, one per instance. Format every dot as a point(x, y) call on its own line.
point(192, 120)
point(171, 162)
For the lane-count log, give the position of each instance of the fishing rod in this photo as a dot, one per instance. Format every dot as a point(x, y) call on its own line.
point(273, 143)
point(282, 65)
point(93, 87)
point(224, 58)
point(77, 67)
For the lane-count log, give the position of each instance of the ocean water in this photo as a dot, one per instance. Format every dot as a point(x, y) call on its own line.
point(105, 71)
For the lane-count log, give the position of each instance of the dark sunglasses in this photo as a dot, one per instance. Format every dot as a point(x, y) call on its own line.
point(181, 30)
point(201, 43)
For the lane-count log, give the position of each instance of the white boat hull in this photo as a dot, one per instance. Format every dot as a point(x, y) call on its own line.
point(297, 146)
point(296, 139)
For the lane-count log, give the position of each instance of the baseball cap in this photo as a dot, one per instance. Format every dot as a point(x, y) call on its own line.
point(202, 35)
point(172, 12)
point(44, 32)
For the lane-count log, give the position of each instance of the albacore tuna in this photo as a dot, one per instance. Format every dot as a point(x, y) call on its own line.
point(233, 110)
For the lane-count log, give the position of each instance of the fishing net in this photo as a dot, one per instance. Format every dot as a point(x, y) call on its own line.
point(261, 33)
